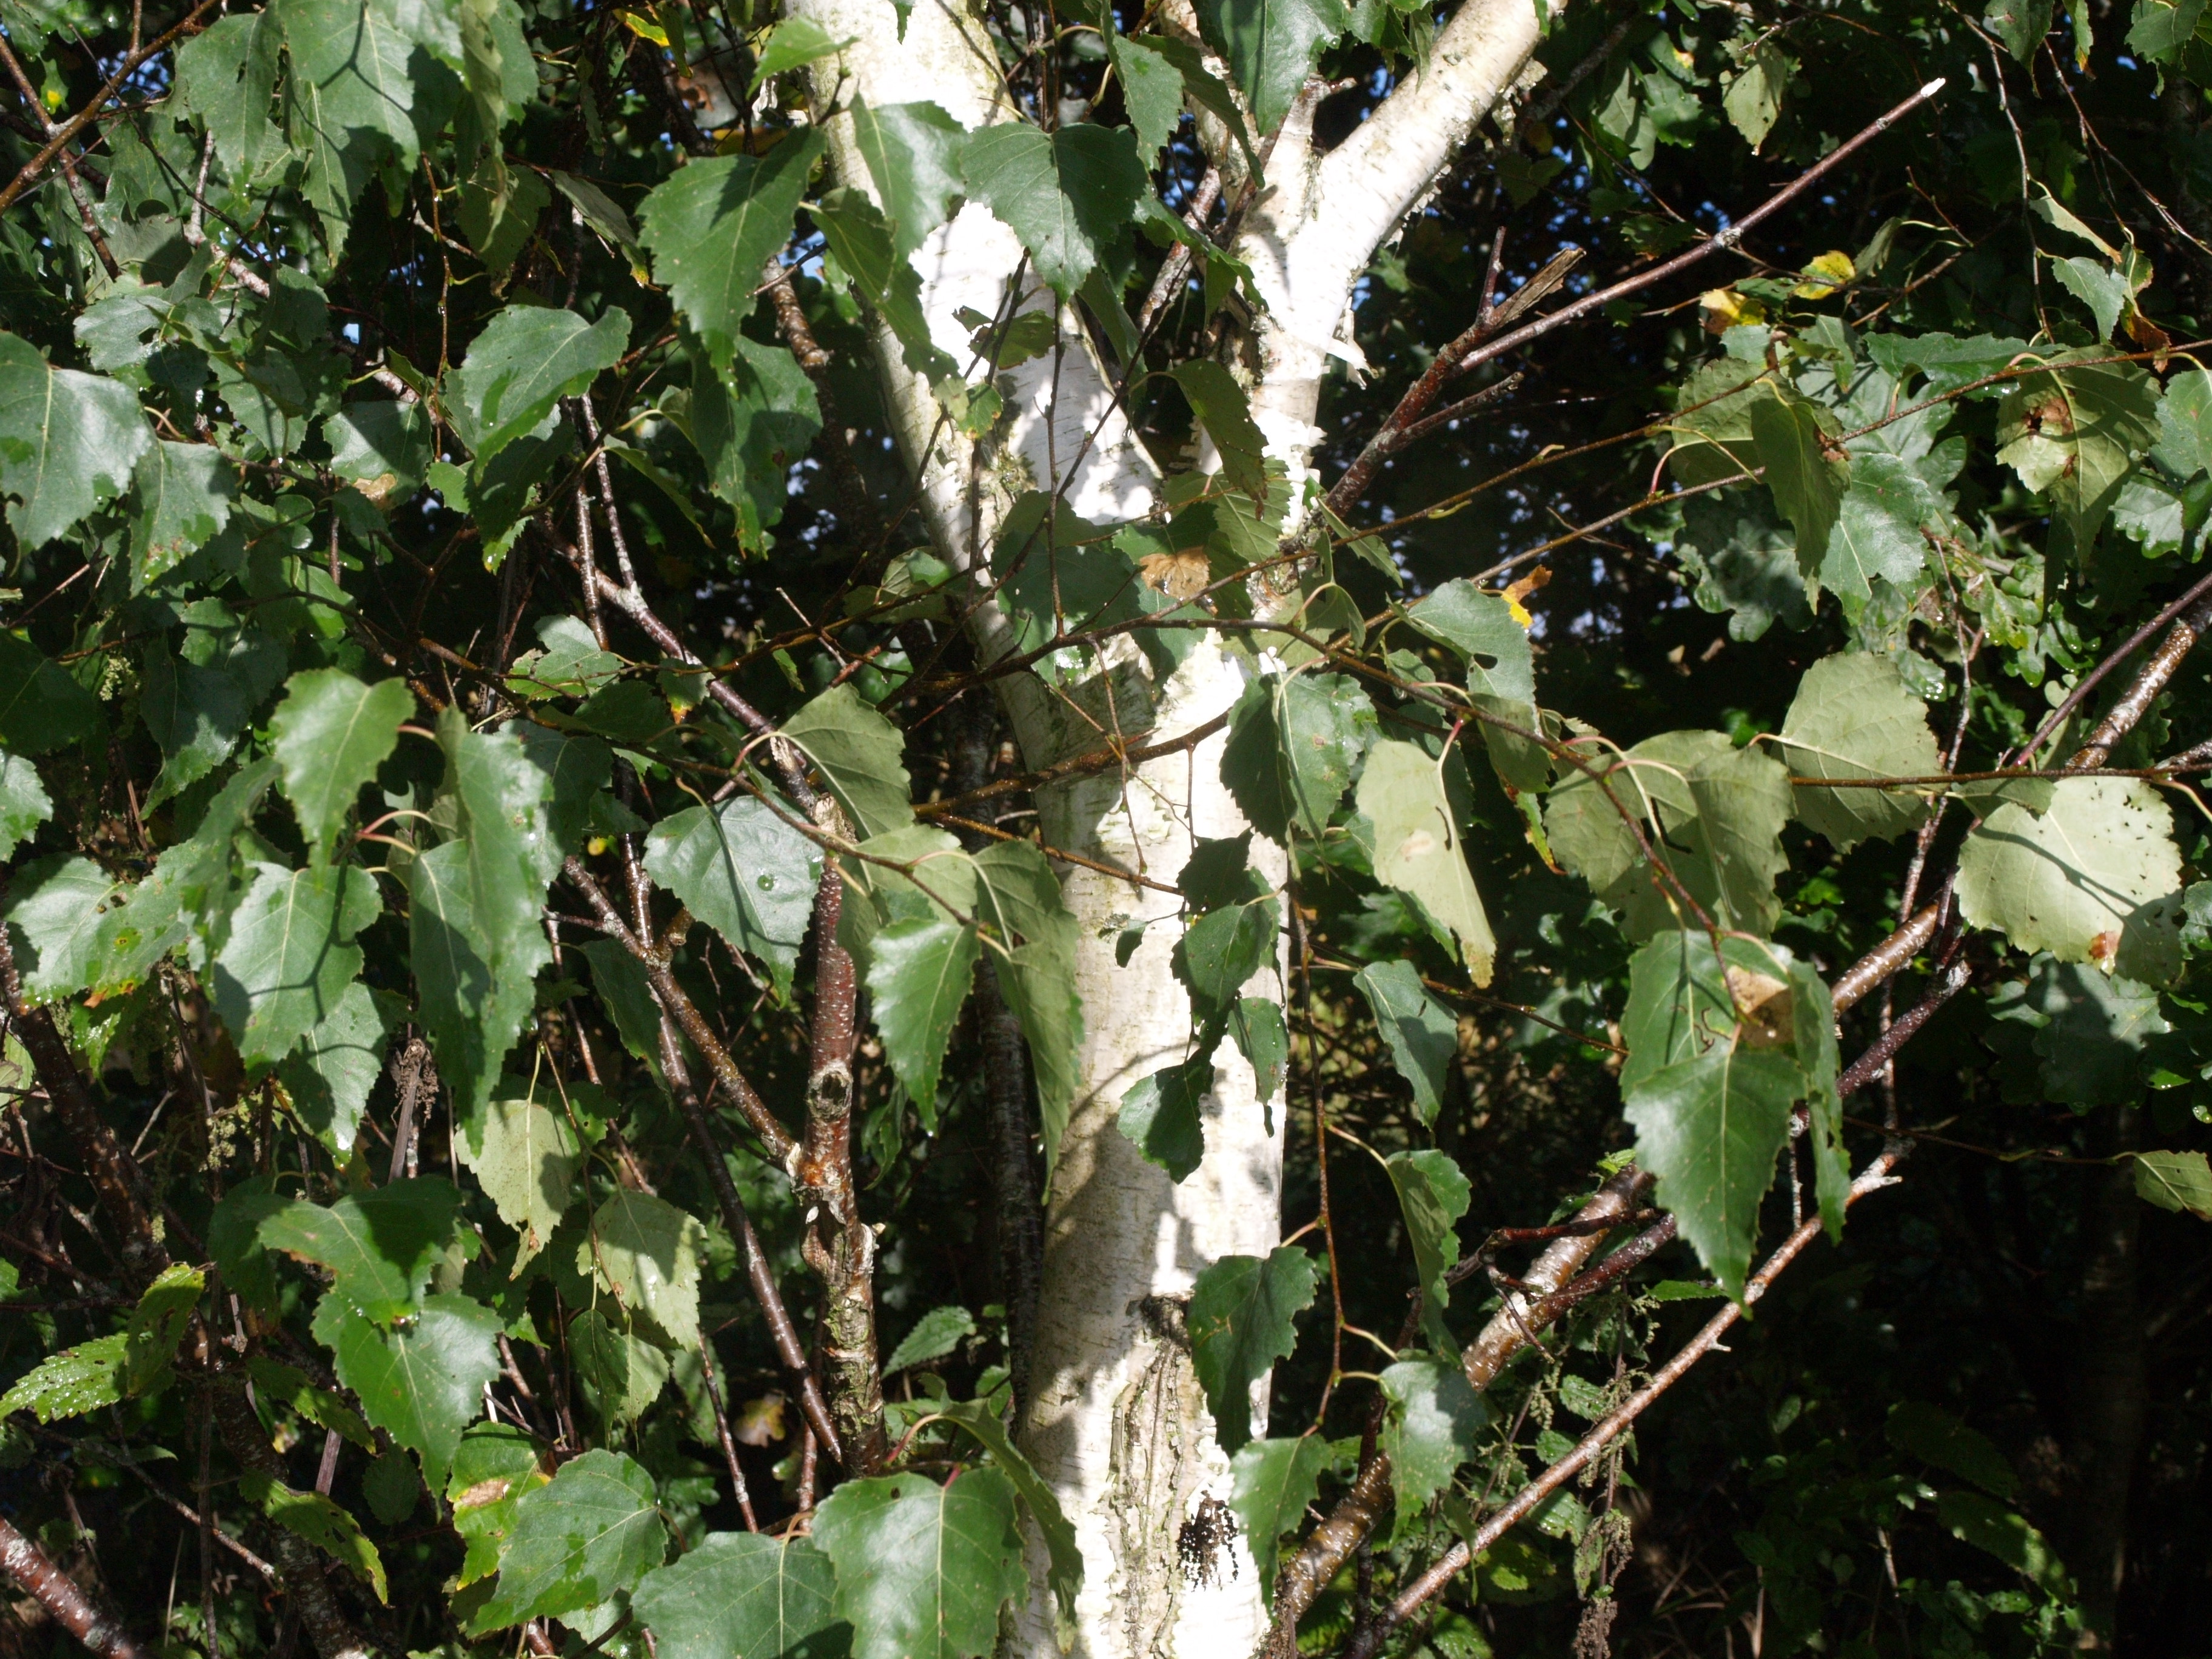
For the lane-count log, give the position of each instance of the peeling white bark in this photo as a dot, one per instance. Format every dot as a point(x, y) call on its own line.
point(1313, 231)
point(1117, 1424)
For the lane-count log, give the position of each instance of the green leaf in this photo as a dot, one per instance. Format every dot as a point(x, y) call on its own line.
point(2184, 423)
point(329, 734)
point(2073, 432)
point(1418, 850)
point(1159, 1114)
point(1222, 409)
point(227, 76)
point(1020, 895)
point(2092, 879)
point(1934, 1436)
point(857, 750)
point(745, 872)
point(378, 1246)
point(751, 420)
point(918, 978)
point(568, 663)
point(1877, 532)
point(861, 241)
point(2175, 1181)
point(330, 1074)
point(310, 1516)
point(1422, 1035)
point(1271, 47)
point(2162, 29)
point(1853, 718)
point(1989, 1526)
point(473, 1017)
point(913, 153)
point(1428, 1429)
point(60, 911)
point(68, 441)
point(1719, 809)
point(1482, 628)
point(1242, 1310)
point(352, 72)
point(793, 43)
point(1294, 741)
point(1711, 1075)
point(285, 1385)
point(1273, 1482)
point(1807, 486)
point(423, 1382)
point(1753, 94)
point(502, 795)
point(1223, 951)
point(621, 1373)
point(41, 708)
point(524, 360)
point(158, 1324)
point(24, 803)
point(496, 1465)
point(525, 1157)
point(289, 956)
point(72, 1383)
point(1264, 1040)
point(935, 1335)
point(1152, 89)
point(922, 1570)
point(194, 713)
point(1066, 194)
point(1432, 1194)
point(745, 1594)
point(2021, 25)
point(2097, 286)
point(595, 1531)
point(714, 226)
point(645, 1253)
point(1064, 1576)
point(382, 447)
point(183, 499)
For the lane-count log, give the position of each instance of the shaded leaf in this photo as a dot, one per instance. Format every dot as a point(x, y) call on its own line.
point(714, 226)
point(922, 1570)
point(1241, 1312)
point(1422, 1035)
point(746, 1593)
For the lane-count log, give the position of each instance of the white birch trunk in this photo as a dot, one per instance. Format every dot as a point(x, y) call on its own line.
point(1118, 1425)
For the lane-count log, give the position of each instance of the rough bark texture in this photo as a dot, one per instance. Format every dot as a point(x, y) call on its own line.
point(839, 1245)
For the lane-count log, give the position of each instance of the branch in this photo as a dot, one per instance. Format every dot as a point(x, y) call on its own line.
point(839, 1246)
point(759, 1274)
point(1425, 1588)
point(1726, 240)
point(85, 116)
point(68, 1606)
point(775, 1141)
point(1361, 1509)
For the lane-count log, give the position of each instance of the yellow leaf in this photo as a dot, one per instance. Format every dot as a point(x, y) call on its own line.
point(1725, 309)
point(643, 26)
point(1825, 274)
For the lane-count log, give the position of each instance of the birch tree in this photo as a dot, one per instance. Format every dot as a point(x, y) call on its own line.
point(635, 629)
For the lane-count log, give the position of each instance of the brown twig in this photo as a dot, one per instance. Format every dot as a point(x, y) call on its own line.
point(84, 118)
point(68, 1606)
